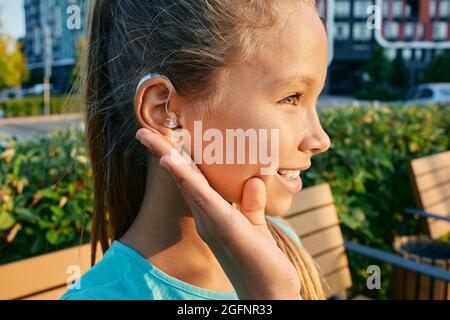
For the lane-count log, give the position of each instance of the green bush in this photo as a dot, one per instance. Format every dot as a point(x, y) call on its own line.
point(46, 185)
point(33, 106)
point(366, 167)
point(45, 194)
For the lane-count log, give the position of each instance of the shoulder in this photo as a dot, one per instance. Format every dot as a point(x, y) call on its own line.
point(115, 277)
point(285, 226)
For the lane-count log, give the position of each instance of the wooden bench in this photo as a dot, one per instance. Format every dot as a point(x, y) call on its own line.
point(312, 215)
point(43, 277)
point(314, 218)
point(430, 177)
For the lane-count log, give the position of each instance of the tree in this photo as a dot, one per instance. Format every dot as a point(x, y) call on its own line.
point(399, 74)
point(438, 70)
point(377, 67)
point(13, 69)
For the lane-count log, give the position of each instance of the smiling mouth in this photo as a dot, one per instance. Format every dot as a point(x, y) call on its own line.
point(292, 174)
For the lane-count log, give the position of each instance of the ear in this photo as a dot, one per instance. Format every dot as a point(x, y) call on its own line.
point(150, 101)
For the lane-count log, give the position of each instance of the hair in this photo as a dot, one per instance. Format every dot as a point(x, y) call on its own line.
point(192, 42)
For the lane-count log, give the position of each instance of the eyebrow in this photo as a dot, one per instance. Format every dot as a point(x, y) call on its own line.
point(288, 82)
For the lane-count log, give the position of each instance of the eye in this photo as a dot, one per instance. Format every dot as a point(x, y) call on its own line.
point(292, 99)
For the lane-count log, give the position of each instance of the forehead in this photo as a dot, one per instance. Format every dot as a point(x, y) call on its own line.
point(298, 51)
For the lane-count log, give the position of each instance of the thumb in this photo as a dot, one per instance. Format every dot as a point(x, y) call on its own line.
point(253, 201)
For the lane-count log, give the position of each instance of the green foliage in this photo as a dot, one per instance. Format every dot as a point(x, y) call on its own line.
point(399, 74)
point(45, 194)
point(380, 78)
point(13, 70)
point(32, 106)
point(438, 70)
point(366, 167)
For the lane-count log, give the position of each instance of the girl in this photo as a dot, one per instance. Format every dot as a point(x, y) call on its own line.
point(211, 230)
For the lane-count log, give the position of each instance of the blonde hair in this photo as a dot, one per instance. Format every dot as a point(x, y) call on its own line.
point(192, 42)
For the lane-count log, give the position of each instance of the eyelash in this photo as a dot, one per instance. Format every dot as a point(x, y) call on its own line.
point(297, 94)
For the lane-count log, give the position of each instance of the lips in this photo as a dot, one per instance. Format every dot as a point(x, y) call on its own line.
point(290, 179)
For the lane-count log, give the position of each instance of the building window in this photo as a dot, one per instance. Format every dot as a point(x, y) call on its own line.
point(444, 8)
point(419, 31)
point(407, 54)
point(341, 31)
point(360, 8)
point(397, 8)
point(391, 30)
point(391, 54)
point(37, 41)
point(418, 54)
point(342, 8)
point(409, 30)
point(361, 32)
point(58, 22)
point(440, 30)
point(432, 8)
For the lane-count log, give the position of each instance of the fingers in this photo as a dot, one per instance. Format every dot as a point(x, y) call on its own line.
point(158, 144)
point(253, 201)
point(195, 188)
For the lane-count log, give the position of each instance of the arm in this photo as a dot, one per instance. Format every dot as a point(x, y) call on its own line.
point(424, 214)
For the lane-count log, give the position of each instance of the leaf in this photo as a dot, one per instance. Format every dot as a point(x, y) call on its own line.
point(26, 214)
point(49, 194)
point(52, 236)
point(6, 220)
point(57, 211)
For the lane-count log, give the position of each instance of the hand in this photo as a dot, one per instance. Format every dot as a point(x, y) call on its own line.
point(240, 239)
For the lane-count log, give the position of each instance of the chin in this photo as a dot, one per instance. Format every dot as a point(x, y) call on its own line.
point(278, 206)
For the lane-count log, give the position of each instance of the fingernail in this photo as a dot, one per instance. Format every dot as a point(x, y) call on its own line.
point(139, 135)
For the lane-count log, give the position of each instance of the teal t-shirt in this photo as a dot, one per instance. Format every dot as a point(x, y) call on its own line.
point(124, 274)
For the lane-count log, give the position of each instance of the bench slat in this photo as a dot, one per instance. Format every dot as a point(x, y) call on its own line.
point(332, 260)
point(434, 178)
point(33, 275)
point(313, 220)
point(435, 195)
point(324, 240)
point(311, 198)
point(430, 163)
point(337, 282)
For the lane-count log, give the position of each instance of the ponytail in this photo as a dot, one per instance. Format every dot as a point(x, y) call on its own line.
point(116, 177)
point(307, 269)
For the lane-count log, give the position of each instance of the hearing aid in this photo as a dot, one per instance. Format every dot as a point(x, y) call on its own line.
point(171, 121)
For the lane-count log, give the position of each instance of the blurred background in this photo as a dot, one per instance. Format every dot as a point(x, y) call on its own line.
point(386, 102)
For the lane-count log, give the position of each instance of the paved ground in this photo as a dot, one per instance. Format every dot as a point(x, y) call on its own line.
point(25, 127)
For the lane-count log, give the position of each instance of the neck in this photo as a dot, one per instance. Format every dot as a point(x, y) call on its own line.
point(164, 233)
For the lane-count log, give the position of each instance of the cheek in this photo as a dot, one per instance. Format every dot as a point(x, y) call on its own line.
point(228, 180)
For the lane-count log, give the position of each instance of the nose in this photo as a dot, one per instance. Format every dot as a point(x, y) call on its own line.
point(316, 140)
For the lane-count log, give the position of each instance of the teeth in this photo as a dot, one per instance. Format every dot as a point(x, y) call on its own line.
point(289, 174)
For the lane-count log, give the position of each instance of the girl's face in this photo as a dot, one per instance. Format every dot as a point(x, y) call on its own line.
point(278, 90)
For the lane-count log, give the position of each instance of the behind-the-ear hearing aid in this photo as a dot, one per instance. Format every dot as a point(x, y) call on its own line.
point(171, 121)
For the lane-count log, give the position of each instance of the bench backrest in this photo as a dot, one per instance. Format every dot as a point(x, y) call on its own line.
point(44, 277)
point(314, 218)
point(430, 178)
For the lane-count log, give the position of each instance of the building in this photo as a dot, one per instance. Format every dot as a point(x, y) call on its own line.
point(59, 18)
point(402, 20)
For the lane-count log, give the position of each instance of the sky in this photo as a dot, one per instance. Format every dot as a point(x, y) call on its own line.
point(12, 17)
